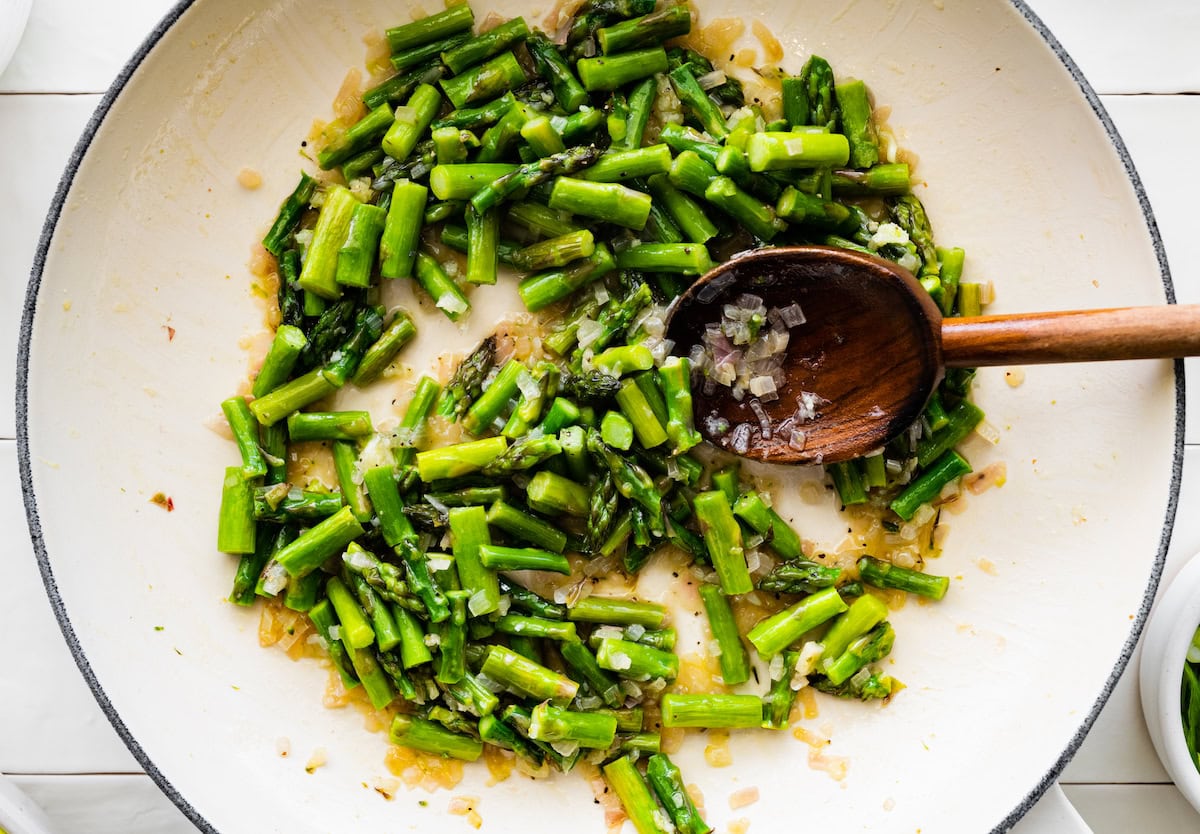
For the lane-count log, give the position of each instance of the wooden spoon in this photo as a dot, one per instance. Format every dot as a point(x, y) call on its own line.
point(874, 347)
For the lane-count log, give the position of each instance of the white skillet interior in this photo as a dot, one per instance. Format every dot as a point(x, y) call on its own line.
point(155, 231)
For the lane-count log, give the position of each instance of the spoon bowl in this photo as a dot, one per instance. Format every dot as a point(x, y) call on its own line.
point(873, 346)
point(867, 357)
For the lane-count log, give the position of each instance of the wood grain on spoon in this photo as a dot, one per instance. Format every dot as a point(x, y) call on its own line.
point(874, 347)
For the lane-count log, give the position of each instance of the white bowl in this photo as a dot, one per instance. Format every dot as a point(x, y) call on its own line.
point(1168, 635)
point(14, 14)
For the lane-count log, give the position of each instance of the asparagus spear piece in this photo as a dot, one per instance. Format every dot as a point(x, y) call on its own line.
point(312, 547)
point(356, 630)
point(591, 730)
point(777, 632)
point(467, 383)
point(630, 163)
point(318, 275)
point(505, 36)
point(537, 627)
point(855, 109)
point(445, 293)
point(624, 612)
point(473, 118)
point(702, 107)
point(929, 484)
point(345, 461)
point(489, 406)
point(684, 258)
point(235, 524)
point(488, 80)
point(483, 238)
point(636, 660)
point(667, 782)
point(799, 576)
point(459, 459)
point(629, 130)
point(623, 359)
point(386, 579)
point(687, 213)
point(525, 600)
point(735, 662)
point(400, 331)
point(457, 18)
point(324, 620)
point(469, 531)
point(583, 665)
point(400, 86)
point(755, 215)
point(711, 711)
point(285, 349)
point(356, 138)
point(723, 538)
point(817, 89)
point(526, 678)
point(553, 494)
point(616, 431)
point(751, 509)
point(542, 289)
point(568, 92)
point(245, 434)
point(532, 174)
point(524, 526)
point(613, 71)
point(460, 182)
point(500, 558)
point(555, 252)
point(611, 202)
point(431, 737)
point(886, 575)
point(635, 797)
point(329, 425)
point(401, 229)
point(860, 653)
point(778, 702)
point(654, 28)
point(289, 215)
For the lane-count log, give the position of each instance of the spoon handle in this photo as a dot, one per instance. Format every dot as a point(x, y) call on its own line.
point(1163, 332)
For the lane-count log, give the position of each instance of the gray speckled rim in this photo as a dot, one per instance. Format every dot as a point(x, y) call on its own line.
point(35, 527)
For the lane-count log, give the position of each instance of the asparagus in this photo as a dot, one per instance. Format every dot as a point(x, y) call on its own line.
point(865, 686)
point(553, 494)
point(685, 258)
point(469, 531)
point(277, 366)
point(628, 129)
point(291, 307)
point(343, 363)
point(282, 504)
point(612, 202)
point(667, 782)
point(532, 174)
point(529, 528)
point(386, 579)
point(526, 678)
point(536, 627)
point(617, 432)
point(623, 359)
point(847, 480)
point(469, 496)
point(357, 137)
point(816, 89)
point(356, 631)
point(245, 433)
point(688, 214)
point(929, 484)
point(711, 711)
point(617, 315)
point(235, 523)
point(329, 425)
point(636, 660)
point(855, 108)
point(456, 237)
point(324, 620)
point(886, 575)
point(697, 101)
point(632, 480)
point(885, 180)
point(467, 383)
point(499, 137)
point(251, 565)
point(568, 92)
point(624, 612)
point(593, 386)
point(723, 538)
point(864, 614)
point(778, 702)
point(751, 509)
point(777, 632)
point(387, 633)
point(517, 558)
point(317, 276)
point(799, 576)
point(654, 28)
point(635, 797)
point(492, 78)
point(446, 294)
point(627, 164)
point(458, 18)
point(555, 252)
point(735, 662)
point(459, 459)
point(494, 731)
point(473, 118)
point(484, 46)
point(583, 665)
point(400, 86)
point(483, 237)
point(636, 407)
point(400, 331)
point(525, 600)
point(460, 182)
point(613, 71)
point(519, 719)
point(555, 725)
point(859, 653)
point(290, 212)
point(659, 638)
point(401, 229)
point(431, 737)
point(760, 219)
point(951, 262)
point(541, 220)
point(487, 408)
point(542, 289)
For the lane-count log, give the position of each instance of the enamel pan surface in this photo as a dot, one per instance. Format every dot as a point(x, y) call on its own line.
point(150, 235)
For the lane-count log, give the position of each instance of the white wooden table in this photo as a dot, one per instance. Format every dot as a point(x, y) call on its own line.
point(53, 738)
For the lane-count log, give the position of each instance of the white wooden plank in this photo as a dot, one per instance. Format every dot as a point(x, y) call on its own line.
point(76, 47)
point(50, 721)
point(105, 804)
point(1125, 47)
point(1158, 131)
point(45, 128)
point(1125, 809)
